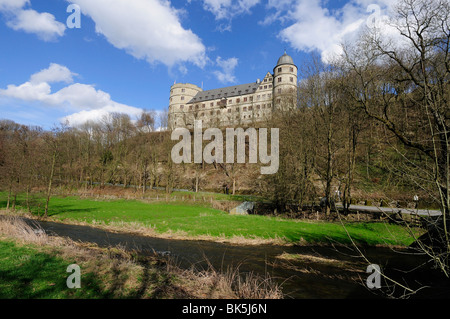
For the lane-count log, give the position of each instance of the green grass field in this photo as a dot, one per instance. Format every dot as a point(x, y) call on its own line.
point(200, 220)
point(27, 273)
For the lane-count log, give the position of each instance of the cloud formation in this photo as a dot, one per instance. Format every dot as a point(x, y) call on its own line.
point(227, 73)
point(146, 29)
point(83, 100)
point(20, 18)
point(312, 26)
point(227, 10)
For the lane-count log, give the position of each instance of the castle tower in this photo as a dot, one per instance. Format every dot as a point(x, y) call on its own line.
point(285, 83)
point(180, 95)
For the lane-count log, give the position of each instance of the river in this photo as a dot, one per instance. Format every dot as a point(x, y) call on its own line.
point(326, 272)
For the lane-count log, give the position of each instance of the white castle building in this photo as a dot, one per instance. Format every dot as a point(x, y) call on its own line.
point(239, 105)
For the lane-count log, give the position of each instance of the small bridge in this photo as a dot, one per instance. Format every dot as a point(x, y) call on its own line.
point(393, 210)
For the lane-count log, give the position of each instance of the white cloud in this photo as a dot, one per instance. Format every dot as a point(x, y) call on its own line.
point(13, 4)
point(227, 66)
point(55, 73)
point(28, 91)
point(228, 9)
point(98, 114)
point(84, 100)
point(146, 29)
point(315, 27)
point(44, 24)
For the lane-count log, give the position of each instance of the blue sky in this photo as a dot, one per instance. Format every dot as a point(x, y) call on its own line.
point(128, 53)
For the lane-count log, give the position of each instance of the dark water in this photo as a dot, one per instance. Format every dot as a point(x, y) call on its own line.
point(299, 279)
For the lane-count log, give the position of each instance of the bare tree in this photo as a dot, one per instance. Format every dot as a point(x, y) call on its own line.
point(402, 83)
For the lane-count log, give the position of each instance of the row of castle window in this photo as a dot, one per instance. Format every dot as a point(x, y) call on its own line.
point(238, 100)
point(245, 116)
point(291, 69)
point(244, 109)
point(237, 117)
point(265, 87)
point(280, 79)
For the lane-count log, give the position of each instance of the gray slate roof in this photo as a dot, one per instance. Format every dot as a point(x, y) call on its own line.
point(227, 92)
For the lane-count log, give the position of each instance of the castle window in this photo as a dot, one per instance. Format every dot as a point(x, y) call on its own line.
point(182, 98)
point(291, 69)
point(263, 96)
point(196, 107)
point(258, 97)
point(190, 107)
point(264, 106)
point(280, 79)
point(203, 106)
point(270, 86)
point(280, 69)
point(269, 95)
point(238, 100)
point(265, 80)
point(212, 104)
point(245, 109)
point(230, 101)
point(183, 90)
point(181, 106)
point(251, 98)
point(279, 90)
point(292, 79)
point(265, 87)
point(258, 107)
point(245, 99)
point(250, 108)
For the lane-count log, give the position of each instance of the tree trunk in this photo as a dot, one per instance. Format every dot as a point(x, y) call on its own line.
point(49, 190)
point(9, 196)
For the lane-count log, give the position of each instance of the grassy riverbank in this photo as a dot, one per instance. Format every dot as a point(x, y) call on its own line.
point(184, 220)
point(34, 266)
